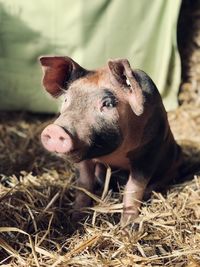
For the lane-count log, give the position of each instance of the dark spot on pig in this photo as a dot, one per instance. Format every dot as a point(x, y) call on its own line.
point(146, 158)
point(149, 89)
point(105, 140)
point(108, 93)
point(75, 75)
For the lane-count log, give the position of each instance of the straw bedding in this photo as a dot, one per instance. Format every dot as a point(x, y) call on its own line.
point(37, 191)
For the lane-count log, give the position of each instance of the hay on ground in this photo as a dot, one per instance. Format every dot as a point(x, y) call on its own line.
point(37, 191)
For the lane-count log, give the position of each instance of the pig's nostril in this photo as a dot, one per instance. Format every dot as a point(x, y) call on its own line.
point(61, 138)
point(46, 137)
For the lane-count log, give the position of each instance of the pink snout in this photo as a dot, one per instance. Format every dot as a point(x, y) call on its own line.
point(55, 139)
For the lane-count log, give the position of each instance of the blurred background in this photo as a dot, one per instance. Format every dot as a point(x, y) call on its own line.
point(159, 37)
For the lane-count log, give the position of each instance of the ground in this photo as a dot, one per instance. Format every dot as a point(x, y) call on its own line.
point(37, 192)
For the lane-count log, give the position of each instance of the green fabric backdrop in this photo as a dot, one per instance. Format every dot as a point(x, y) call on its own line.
point(90, 32)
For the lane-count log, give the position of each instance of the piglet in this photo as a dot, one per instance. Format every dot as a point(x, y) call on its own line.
point(112, 116)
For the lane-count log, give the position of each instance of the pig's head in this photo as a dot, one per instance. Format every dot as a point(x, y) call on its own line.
point(96, 109)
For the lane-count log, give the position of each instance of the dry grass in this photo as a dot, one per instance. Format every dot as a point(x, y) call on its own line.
point(36, 193)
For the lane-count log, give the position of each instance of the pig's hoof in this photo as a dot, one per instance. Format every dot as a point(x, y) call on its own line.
point(128, 217)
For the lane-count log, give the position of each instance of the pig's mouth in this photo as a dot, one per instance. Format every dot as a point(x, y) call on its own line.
point(98, 144)
point(93, 151)
point(74, 156)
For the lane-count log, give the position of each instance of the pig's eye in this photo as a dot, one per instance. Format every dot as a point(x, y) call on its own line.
point(109, 100)
point(109, 103)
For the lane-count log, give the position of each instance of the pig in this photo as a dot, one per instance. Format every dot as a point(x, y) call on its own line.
point(112, 116)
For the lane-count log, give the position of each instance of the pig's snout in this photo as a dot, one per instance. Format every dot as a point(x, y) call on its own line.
point(55, 139)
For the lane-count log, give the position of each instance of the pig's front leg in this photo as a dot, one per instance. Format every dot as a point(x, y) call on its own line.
point(86, 180)
point(133, 195)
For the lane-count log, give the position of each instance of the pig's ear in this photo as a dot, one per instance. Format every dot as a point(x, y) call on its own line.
point(123, 75)
point(59, 72)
